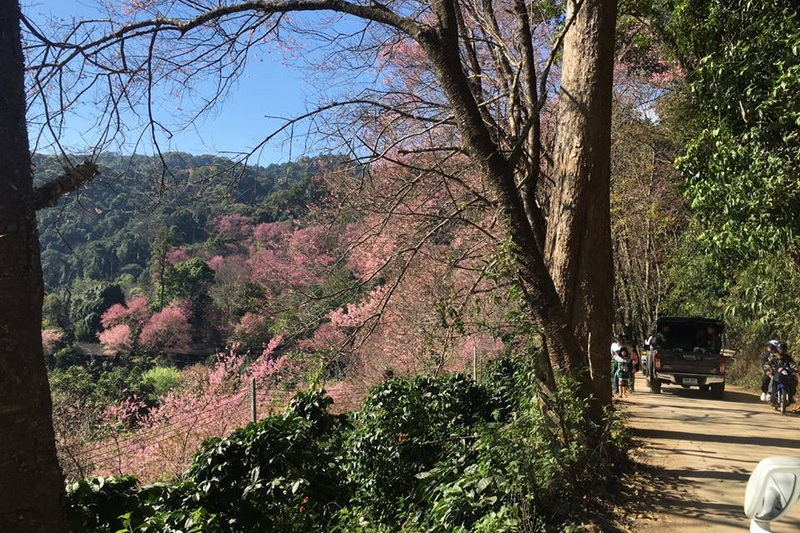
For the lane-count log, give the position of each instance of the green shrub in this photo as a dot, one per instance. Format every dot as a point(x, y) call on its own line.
point(96, 504)
point(404, 428)
point(508, 382)
point(281, 474)
point(161, 380)
point(532, 474)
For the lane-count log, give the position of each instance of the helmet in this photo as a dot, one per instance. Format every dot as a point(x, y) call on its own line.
point(782, 346)
point(773, 344)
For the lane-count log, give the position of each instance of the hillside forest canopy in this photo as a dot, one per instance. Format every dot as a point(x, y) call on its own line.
point(518, 181)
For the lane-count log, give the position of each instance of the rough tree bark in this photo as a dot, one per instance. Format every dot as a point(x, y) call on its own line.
point(579, 225)
point(540, 292)
point(31, 483)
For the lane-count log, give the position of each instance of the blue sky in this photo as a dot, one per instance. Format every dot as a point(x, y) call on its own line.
point(268, 88)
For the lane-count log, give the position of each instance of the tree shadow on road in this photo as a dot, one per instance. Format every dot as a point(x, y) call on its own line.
point(723, 439)
point(733, 396)
point(655, 493)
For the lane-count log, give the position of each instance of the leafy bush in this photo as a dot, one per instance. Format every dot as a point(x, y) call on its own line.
point(97, 504)
point(161, 380)
point(508, 382)
point(404, 428)
point(533, 474)
point(281, 474)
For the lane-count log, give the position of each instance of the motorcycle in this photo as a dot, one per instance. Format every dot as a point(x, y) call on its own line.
point(783, 385)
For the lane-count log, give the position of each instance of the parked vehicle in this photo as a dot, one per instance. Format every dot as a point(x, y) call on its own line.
point(686, 351)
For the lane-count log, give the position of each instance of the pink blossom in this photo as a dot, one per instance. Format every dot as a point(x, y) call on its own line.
point(167, 331)
point(177, 256)
point(51, 340)
point(310, 244)
point(267, 365)
point(233, 227)
point(214, 401)
point(276, 271)
point(271, 233)
point(368, 253)
point(126, 413)
point(135, 314)
point(216, 262)
point(326, 337)
point(117, 339)
point(114, 315)
point(479, 346)
point(356, 315)
point(252, 330)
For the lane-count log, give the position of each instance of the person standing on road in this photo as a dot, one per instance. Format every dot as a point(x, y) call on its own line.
point(633, 353)
point(623, 372)
point(619, 342)
point(615, 346)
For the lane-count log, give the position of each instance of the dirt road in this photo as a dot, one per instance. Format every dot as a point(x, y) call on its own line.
point(706, 450)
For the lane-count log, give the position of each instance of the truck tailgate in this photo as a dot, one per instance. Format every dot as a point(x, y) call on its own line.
point(689, 362)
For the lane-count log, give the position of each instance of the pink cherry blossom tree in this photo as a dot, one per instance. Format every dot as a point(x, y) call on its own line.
point(52, 340)
point(167, 331)
point(117, 340)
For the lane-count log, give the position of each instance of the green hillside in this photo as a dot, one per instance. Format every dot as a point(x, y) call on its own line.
point(107, 228)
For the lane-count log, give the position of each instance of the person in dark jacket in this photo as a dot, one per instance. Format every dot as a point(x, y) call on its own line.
point(767, 358)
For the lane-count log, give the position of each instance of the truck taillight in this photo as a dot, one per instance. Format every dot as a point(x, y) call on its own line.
point(656, 360)
point(723, 362)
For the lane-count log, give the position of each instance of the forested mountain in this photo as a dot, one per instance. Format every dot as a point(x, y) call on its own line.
point(107, 228)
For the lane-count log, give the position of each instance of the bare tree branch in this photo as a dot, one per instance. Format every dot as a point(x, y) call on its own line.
point(48, 194)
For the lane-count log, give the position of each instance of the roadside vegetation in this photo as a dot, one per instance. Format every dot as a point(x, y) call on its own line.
point(420, 455)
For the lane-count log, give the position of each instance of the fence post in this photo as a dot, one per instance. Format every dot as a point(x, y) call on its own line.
point(253, 413)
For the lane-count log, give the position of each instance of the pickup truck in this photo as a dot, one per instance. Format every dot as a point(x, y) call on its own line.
point(685, 351)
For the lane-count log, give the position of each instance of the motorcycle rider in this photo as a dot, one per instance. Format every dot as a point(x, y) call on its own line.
point(766, 366)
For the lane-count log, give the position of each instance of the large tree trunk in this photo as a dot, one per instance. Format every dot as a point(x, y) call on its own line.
point(579, 229)
point(31, 483)
point(540, 293)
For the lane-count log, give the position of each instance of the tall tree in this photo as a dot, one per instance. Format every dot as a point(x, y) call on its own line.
point(579, 228)
point(649, 215)
point(31, 493)
point(474, 87)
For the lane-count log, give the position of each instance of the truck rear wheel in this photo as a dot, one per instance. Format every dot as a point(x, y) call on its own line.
point(655, 386)
point(717, 390)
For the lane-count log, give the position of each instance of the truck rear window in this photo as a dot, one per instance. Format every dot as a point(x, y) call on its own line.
point(687, 337)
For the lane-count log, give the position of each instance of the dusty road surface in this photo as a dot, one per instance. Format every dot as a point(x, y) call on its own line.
point(706, 450)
